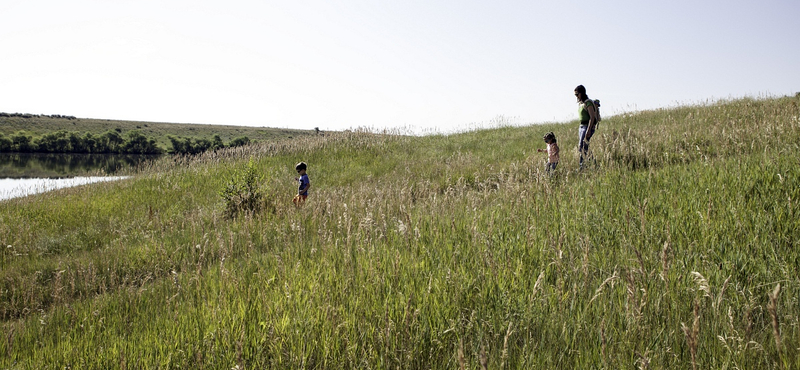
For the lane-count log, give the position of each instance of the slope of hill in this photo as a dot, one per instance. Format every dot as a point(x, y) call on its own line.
point(678, 249)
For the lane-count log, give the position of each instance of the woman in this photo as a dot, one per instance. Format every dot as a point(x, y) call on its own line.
point(588, 115)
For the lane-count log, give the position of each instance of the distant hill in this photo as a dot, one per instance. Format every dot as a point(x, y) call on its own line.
point(37, 125)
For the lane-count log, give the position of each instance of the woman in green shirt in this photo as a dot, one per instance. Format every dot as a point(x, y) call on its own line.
point(588, 115)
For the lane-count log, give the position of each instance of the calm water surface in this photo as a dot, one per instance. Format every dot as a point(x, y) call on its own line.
point(13, 188)
point(23, 174)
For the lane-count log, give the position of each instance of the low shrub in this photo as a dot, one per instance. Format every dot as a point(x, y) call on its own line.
point(242, 192)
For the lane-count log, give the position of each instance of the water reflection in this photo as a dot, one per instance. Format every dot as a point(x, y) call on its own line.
point(38, 165)
point(23, 174)
point(13, 188)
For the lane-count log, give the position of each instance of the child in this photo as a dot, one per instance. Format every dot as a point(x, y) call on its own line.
point(305, 184)
point(552, 150)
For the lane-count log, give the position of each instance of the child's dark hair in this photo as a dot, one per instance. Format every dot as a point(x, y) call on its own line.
point(549, 136)
point(300, 166)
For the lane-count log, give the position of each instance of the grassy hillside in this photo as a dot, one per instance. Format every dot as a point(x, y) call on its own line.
point(37, 125)
point(679, 249)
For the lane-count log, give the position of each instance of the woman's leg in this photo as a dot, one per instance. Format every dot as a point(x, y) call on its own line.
point(583, 147)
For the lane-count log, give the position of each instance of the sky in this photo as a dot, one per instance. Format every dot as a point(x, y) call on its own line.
point(423, 66)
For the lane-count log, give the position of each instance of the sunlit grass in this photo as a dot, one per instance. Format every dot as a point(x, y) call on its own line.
point(442, 251)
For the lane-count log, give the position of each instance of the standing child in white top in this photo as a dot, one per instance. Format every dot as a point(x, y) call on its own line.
point(552, 151)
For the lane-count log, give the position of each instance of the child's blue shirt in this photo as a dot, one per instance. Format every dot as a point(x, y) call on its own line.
point(303, 183)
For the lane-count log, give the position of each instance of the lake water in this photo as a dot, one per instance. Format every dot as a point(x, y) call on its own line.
point(13, 188)
point(38, 165)
point(23, 174)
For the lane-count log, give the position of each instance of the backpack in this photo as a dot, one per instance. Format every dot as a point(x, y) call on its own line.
point(596, 103)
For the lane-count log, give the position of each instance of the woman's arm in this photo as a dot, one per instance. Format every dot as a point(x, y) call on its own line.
point(592, 120)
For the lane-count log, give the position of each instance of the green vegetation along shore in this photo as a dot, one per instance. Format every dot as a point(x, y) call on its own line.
point(679, 249)
point(67, 134)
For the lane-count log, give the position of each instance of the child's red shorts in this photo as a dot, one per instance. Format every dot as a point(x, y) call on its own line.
point(299, 199)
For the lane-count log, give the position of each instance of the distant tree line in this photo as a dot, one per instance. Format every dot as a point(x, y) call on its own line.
point(28, 115)
point(188, 145)
point(74, 142)
point(134, 142)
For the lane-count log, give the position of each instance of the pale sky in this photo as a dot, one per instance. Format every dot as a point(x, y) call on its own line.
point(426, 66)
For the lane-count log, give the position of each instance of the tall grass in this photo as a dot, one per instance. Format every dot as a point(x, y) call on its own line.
point(443, 251)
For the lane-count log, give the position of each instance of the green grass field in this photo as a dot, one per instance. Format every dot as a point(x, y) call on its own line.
point(677, 250)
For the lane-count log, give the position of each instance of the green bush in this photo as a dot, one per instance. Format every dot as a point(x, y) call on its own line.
point(242, 193)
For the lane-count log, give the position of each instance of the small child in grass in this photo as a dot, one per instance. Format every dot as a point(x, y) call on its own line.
point(305, 184)
point(552, 151)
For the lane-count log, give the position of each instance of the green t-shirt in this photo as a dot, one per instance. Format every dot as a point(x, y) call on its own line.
point(583, 113)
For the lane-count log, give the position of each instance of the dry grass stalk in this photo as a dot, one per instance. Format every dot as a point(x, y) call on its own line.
point(639, 257)
point(721, 293)
point(10, 340)
point(748, 320)
point(772, 307)
point(642, 213)
point(585, 260)
point(609, 280)
point(702, 283)
point(631, 291)
point(632, 303)
point(484, 359)
point(504, 355)
point(643, 361)
point(537, 285)
point(603, 340)
point(665, 253)
point(692, 334)
point(462, 363)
